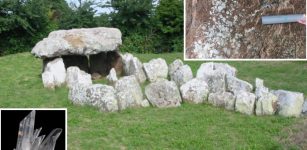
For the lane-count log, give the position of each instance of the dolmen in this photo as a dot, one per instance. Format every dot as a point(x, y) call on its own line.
point(93, 50)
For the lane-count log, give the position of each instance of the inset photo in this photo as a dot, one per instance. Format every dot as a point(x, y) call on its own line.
point(240, 29)
point(33, 129)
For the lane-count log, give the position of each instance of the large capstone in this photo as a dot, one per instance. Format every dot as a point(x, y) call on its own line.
point(163, 93)
point(78, 42)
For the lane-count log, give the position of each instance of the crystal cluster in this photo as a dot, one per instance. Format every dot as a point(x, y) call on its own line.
point(28, 139)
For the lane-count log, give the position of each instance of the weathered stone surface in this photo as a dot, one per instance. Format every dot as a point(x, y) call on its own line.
point(214, 74)
point(236, 85)
point(112, 78)
point(222, 99)
point(182, 75)
point(133, 66)
point(129, 92)
point(98, 95)
point(103, 97)
point(211, 67)
point(304, 110)
point(163, 94)
point(194, 91)
point(245, 103)
point(155, 69)
point(289, 103)
point(78, 42)
point(76, 60)
point(174, 66)
point(266, 103)
point(77, 94)
point(145, 103)
point(54, 74)
point(76, 76)
point(260, 88)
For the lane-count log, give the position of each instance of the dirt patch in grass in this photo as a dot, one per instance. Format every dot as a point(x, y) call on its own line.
point(233, 29)
point(297, 135)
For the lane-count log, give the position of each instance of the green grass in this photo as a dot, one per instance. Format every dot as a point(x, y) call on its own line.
point(187, 127)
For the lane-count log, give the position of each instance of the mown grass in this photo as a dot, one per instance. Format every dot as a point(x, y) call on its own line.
point(187, 127)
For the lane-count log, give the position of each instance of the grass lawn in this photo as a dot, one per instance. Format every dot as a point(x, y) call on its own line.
point(187, 127)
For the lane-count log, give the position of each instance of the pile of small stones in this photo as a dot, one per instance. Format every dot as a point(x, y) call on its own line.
point(215, 83)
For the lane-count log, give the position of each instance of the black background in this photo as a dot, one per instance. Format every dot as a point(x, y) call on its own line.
point(47, 119)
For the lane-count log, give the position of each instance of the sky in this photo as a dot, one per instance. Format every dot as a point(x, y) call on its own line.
point(99, 9)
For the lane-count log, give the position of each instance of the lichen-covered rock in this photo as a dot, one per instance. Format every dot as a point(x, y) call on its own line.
point(126, 58)
point(222, 99)
point(245, 103)
point(156, 69)
point(289, 103)
point(163, 94)
point(102, 96)
point(112, 78)
point(76, 76)
point(236, 85)
point(214, 74)
point(78, 42)
point(266, 102)
point(136, 69)
point(182, 75)
point(174, 66)
point(194, 91)
point(129, 92)
point(145, 103)
point(77, 94)
point(54, 74)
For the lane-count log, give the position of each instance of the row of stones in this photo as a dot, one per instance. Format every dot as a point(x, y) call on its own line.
point(215, 83)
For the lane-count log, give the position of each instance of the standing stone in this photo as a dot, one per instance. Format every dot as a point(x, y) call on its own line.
point(112, 78)
point(76, 76)
point(289, 103)
point(126, 58)
point(156, 69)
point(236, 85)
point(182, 75)
point(163, 94)
point(211, 67)
point(136, 69)
point(103, 97)
point(222, 99)
point(129, 92)
point(54, 74)
point(245, 103)
point(194, 91)
point(174, 66)
point(304, 110)
point(214, 74)
point(77, 94)
point(266, 103)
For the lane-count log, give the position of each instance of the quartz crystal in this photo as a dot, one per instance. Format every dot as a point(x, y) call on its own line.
point(29, 139)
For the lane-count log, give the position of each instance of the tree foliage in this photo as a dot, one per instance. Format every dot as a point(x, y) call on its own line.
point(147, 25)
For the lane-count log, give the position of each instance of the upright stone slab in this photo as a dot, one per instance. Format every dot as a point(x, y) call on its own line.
point(76, 76)
point(245, 103)
point(194, 91)
point(112, 78)
point(289, 103)
point(174, 66)
point(182, 75)
point(163, 93)
point(156, 69)
point(129, 92)
point(54, 74)
point(236, 85)
point(222, 99)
